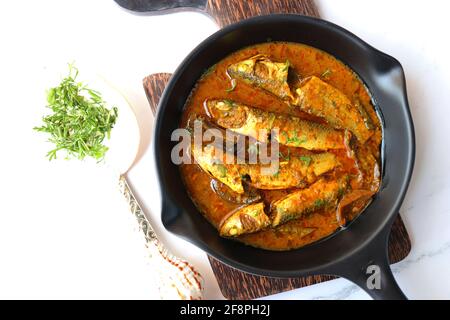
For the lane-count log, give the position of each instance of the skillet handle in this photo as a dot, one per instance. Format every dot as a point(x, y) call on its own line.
point(389, 287)
point(373, 272)
point(161, 6)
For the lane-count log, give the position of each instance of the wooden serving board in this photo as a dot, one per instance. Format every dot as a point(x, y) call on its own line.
point(233, 283)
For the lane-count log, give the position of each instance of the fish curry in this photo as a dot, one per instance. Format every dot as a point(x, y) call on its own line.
point(329, 138)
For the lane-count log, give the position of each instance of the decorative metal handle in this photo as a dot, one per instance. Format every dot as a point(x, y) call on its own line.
point(178, 278)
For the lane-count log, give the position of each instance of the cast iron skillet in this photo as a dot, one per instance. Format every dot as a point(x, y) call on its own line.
point(347, 253)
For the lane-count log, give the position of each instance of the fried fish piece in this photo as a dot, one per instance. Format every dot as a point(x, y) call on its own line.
point(297, 171)
point(321, 99)
point(319, 195)
point(248, 219)
point(258, 124)
point(293, 172)
point(314, 96)
point(263, 72)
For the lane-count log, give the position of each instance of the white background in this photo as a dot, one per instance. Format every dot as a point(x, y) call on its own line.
point(65, 231)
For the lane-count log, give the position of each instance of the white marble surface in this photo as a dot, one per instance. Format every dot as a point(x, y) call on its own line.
point(64, 230)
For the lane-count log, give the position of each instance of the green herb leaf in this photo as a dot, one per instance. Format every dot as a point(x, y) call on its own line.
point(229, 103)
point(340, 192)
point(287, 65)
point(306, 160)
point(326, 73)
point(254, 213)
point(222, 170)
point(80, 119)
point(319, 203)
point(293, 138)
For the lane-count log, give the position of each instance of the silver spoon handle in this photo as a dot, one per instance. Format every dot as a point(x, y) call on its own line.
point(178, 278)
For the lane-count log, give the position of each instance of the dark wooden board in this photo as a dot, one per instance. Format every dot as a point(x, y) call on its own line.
point(233, 283)
point(225, 12)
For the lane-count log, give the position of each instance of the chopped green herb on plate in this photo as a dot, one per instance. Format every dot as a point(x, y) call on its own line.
point(80, 119)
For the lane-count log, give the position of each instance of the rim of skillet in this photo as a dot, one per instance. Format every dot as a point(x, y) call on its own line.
point(390, 87)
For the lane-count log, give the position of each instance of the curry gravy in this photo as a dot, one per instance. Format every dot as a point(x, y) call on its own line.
point(306, 61)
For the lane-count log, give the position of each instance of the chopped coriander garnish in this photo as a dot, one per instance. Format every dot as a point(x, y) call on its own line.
point(285, 157)
point(222, 170)
point(254, 213)
point(296, 141)
point(271, 120)
point(276, 174)
point(306, 160)
point(293, 139)
point(287, 65)
point(326, 73)
point(80, 120)
point(229, 103)
point(319, 203)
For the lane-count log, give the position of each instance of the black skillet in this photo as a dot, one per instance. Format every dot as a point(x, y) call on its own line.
point(347, 253)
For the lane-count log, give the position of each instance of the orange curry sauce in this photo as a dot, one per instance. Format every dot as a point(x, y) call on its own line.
point(306, 61)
